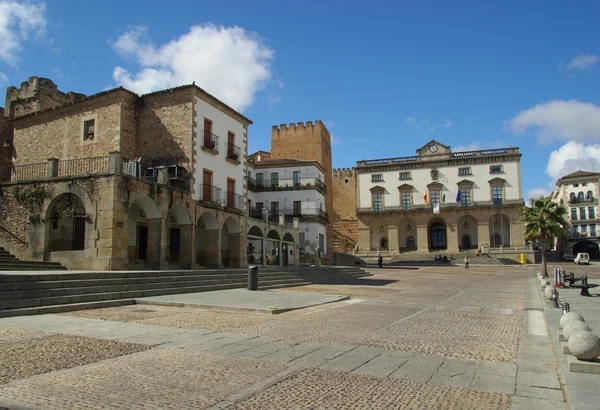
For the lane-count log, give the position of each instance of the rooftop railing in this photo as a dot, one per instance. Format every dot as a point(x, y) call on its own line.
point(486, 152)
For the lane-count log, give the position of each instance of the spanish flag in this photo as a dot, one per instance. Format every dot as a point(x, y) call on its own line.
point(425, 197)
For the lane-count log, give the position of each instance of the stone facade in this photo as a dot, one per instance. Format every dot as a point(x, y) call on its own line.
point(5, 140)
point(345, 222)
point(306, 141)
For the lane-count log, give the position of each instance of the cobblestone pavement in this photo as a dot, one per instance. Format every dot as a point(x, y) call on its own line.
point(432, 338)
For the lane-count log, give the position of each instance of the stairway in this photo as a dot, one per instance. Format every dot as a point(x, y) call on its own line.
point(30, 294)
point(9, 262)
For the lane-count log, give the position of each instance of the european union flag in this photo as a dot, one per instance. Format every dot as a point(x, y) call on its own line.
point(458, 196)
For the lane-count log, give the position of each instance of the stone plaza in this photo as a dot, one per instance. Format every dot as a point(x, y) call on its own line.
point(406, 338)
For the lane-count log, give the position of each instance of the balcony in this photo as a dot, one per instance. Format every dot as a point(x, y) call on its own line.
point(304, 215)
point(210, 194)
point(210, 142)
point(585, 201)
point(251, 184)
point(255, 213)
point(444, 206)
point(233, 153)
point(581, 235)
point(234, 201)
point(292, 184)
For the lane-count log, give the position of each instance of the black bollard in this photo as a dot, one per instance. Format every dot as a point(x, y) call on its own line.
point(584, 286)
point(253, 278)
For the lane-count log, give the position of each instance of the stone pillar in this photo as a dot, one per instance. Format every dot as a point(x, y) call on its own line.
point(280, 245)
point(185, 250)
point(52, 167)
point(235, 255)
point(422, 240)
point(516, 235)
point(153, 251)
point(364, 236)
point(483, 233)
point(213, 250)
point(452, 238)
point(393, 239)
point(295, 222)
point(265, 215)
point(264, 252)
point(164, 243)
point(281, 220)
point(115, 163)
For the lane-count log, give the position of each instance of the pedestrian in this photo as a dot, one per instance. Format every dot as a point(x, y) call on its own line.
point(380, 261)
point(467, 261)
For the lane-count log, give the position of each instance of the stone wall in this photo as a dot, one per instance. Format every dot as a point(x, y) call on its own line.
point(5, 153)
point(344, 193)
point(344, 259)
point(165, 126)
point(345, 234)
point(307, 141)
point(59, 133)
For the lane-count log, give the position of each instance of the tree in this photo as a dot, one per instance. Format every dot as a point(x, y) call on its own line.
point(544, 220)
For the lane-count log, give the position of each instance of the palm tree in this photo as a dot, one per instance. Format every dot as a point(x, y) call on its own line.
point(543, 221)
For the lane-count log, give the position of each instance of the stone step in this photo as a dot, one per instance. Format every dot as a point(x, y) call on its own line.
point(69, 307)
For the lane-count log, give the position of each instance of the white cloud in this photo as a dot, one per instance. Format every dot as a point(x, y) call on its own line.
point(571, 157)
point(3, 79)
point(562, 120)
point(228, 62)
point(425, 125)
point(334, 139)
point(582, 62)
point(18, 21)
point(535, 193)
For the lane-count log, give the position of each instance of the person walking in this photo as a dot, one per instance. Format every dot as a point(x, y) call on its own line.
point(380, 261)
point(467, 261)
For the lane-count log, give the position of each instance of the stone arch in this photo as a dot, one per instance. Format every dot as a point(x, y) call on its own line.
point(588, 247)
point(69, 189)
point(232, 225)
point(572, 196)
point(207, 240)
point(230, 243)
point(272, 248)
point(66, 224)
point(143, 232)
point(589, 195)
point(181, 215)
point(436, 234)
point(273, 234)
point(256, 231)
point(407, 228)
point(179, 236)
point(580, 196)
point(467, 228)
point(288, 238)
point(499, 226)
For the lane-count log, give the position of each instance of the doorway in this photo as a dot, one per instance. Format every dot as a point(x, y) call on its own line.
point(174, 244)
point(466, 242)
point(142, 242)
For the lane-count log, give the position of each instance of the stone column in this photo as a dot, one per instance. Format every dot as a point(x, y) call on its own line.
point(115, 163)
point(422, 240)
point(235, 254)
point(483, 233)
point(52, 168)
point(164, 243)
point(364, 236)
point(213, 250)
point(452, 238)
point(516, 235)
point(393, 239)
point(264, 252)
point(185, 246)
point(153, 255)
point(280, 245)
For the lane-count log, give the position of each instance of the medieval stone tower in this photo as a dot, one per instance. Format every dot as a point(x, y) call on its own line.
point(311, 142)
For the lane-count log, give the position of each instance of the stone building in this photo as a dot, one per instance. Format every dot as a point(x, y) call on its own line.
point(439, 201)
point(579, 191)
point(345, 222)
point(116, 180)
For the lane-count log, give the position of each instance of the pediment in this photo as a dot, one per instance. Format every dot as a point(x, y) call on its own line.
point(428, 150)
point(406, 187)
point(465, 182)
point(435, 185)
point(377, 188)
point(497, 180)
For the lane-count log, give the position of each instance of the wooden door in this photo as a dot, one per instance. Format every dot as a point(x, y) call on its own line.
point(207, 132)
point(206, 186)
point(231, 193)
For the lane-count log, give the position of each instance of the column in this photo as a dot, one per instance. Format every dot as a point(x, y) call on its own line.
point(393, 239)
point(235, 257)
point(452, 238)
point(516, 235)
point(52, 167)
point(264, 252)
point(213, 249)
point(164, 244)
point(364, 237)
point(115, 164)
point(153, 249)
point(483, 232)
point(422, 240)
point(185, 250)
point(280, 245)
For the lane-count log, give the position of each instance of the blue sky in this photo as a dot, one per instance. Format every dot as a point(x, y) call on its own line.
point(386, 77)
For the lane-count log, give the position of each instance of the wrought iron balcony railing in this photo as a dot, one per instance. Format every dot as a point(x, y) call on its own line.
point(234, 201)
point(210, 141)
point(233, 152)
point(210, 194)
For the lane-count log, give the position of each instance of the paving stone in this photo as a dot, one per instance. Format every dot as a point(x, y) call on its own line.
point(418, 368)
point(494, 384)
point(543, 380)
point(381, 366)
point(455, 373)
point(529, 403)
point(343, 364)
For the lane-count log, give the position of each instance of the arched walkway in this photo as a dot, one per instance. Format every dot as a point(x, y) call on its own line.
point(143, 233)
point(467, 233)
point(499, 225)
point(273, 248)
point(437, 235)
point(587, 247)
point(66, 224)
point(287, 250)
point(407, 235)
point(230, 243)
point(178, 236)
point(207, 240)
point(254, 251)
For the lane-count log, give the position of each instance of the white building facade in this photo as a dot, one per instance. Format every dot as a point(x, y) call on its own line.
point(438, 200)
point(579, 193)
point(289, 193)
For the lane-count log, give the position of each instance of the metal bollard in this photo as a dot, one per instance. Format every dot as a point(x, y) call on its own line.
point(566, 308)
point(253, 278)
point(554, 298)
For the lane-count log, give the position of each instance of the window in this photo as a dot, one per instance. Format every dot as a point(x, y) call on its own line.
point(582, 213)
point(592, 230)
point(377, 177)
point(573, 214)
point(497, 195)
point(583, 228)
point(580, 196)
point(574, 231)
point(495, 169)
point(404, 175)
point(301, 240)
point(589, 195)
point(575, 185)
point(297, 208)
point(275, 179)
point(465, 196)
point(435, 197)
point(260, 206)
point(410, 242)
point(584, 184)
point(274, 208)
point(591, 212)
point(572, 197)
point(377, 202)
point(88, 130)
point(296, 178)
point(464, 171)
point(259, 179)
point(406, 200)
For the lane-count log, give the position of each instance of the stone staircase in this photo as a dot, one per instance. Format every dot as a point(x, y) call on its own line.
point(30, 294)
point(427, 259)
point(9, 262)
